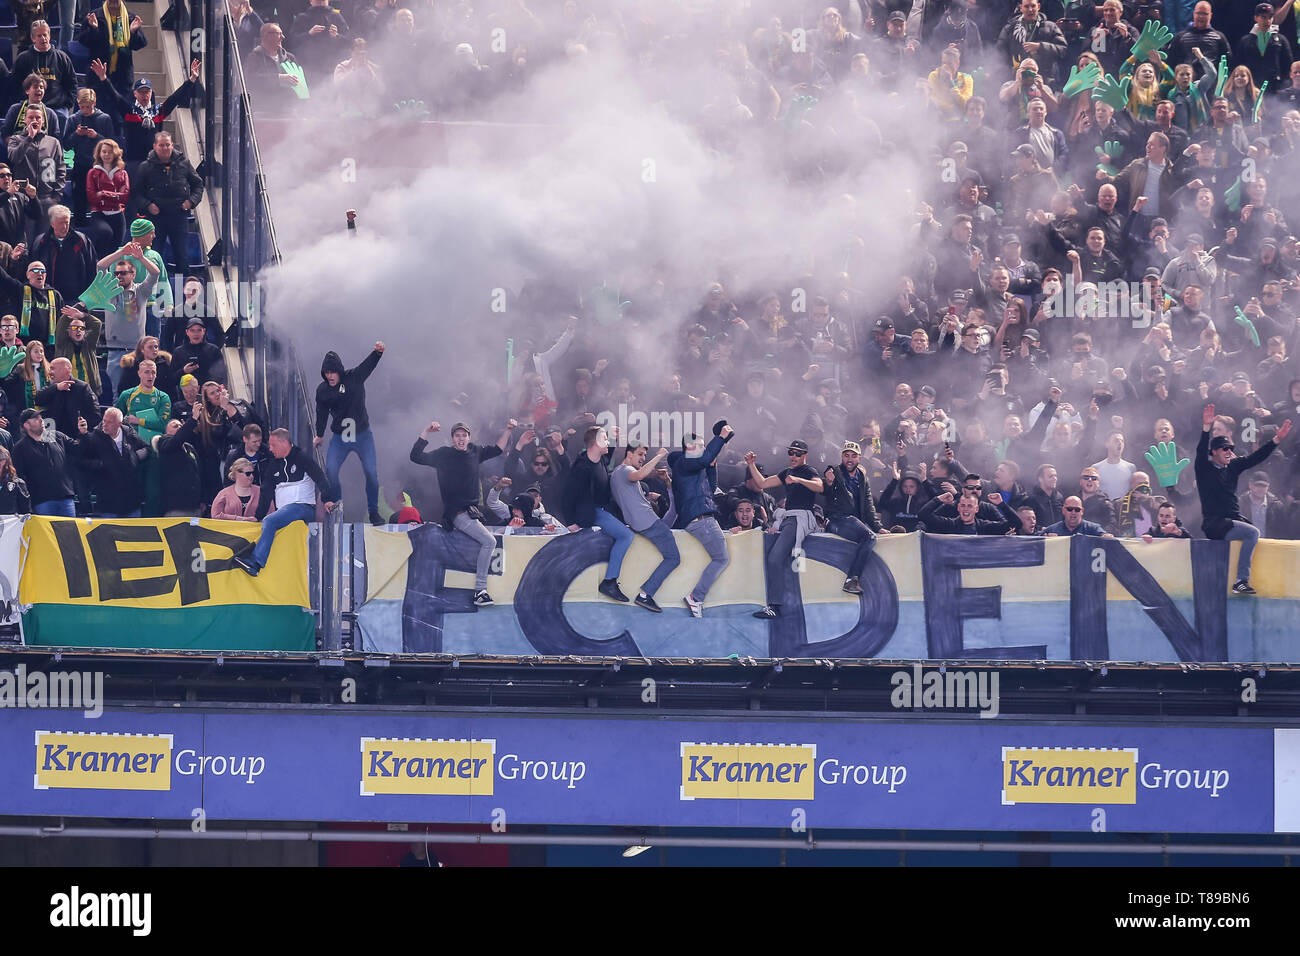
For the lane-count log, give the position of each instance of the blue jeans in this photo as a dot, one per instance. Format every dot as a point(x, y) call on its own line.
point(276, 520)
point(115, 367)
point(1248, 535)
point(709, 533)
point(59, 508)
point(661, 536)
point(852, 528)
point(337, 454)
point(622, 536)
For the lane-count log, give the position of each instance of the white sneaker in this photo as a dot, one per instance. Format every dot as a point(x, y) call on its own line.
point(694, 606)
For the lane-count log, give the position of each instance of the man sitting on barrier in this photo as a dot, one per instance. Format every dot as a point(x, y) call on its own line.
point(1217, 470)
point(291, 481)
point(850, 512)
point(802, 484)
point(694, 478)
point(457, 466)
point(625, 486)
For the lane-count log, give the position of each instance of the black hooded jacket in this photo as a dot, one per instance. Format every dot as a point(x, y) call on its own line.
point(347, 399)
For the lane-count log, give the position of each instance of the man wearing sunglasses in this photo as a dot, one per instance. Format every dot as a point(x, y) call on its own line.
point(801, 487)
point(1217, 470)
point(126, 313)
point(1073, 523)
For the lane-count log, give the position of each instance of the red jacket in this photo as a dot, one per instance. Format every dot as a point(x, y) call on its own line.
point(104, 194)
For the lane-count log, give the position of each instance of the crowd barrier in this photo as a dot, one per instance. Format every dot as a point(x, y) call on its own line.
point(171, 583)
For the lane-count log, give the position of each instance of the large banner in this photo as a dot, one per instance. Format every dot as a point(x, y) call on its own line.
point(651, 771)
point(164, 583)
point(925, 596)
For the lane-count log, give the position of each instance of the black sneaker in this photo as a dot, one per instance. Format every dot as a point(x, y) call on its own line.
point(246, 565)
point(483, 599)
point(768, 613)
point(375, 519)
point(852, 586)
point(609, 588)
point(1242, 587)
point(644, 600)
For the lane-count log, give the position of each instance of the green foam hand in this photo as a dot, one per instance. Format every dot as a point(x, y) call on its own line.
point(70, 155)
point(1164, 461)
point(1259, 102)
point(1232, 196)
point(1108, 153)
point(99, 293)
point(412, 108)
point(977, 77)
point(10, 356)
point(293, 69)
point(1223, 76)
point(1248, 325)
point(1112, 92)
point(1081, 80)
point(1153, 36)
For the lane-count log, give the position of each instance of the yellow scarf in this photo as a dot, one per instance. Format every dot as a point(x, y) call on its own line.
point(119, 33)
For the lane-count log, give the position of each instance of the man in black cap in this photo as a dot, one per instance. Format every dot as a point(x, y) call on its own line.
point(45, 463)
point(1217, 471)
point(850, 511)
point(1265, 51)
point(801, 485)
point(457, 466)
point(885, 347)
point(199, 357)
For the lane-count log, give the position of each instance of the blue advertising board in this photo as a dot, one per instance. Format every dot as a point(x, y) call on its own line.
point(650, 771)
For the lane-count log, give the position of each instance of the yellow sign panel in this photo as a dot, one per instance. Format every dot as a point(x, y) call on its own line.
point(76, 761)
point(1069, 775)
point(748, 771)
point(449, 767)
point(159, 563)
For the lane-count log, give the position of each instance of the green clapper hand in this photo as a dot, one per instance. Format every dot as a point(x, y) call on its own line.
point(1108, 152)
point(1112, 92)
point(1259, 102)
point(415, 109)
point(293, 69)
point(1223, 76)
point(70, 155)
point(1164, 461)
point(977, 79)
point(1232, 196)
point(101, 291)
point(1153, 36)
point(1081, 80)
point(1248, 325)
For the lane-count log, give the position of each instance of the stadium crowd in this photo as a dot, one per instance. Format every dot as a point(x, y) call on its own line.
point(1101, 272)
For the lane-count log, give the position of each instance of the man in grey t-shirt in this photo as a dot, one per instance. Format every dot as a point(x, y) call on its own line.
point(625, 486)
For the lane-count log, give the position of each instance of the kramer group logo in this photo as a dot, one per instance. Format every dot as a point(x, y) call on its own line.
point(1089, 775)
point(748, 771)
point(69, 760)
point(419, 766)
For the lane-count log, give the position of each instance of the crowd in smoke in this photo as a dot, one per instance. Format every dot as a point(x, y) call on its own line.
point(1023, 241)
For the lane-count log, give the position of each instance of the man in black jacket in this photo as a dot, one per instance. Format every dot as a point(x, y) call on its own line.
point(44, 463)
point(50, 64)
point(178, 463)
point(112, 454)
point(850, 512)
point(342, 395)
point(458, 481)
point(198, 357)
point(169, 188)
point(18, 207)
point(589, 503)
point(1217, 470)
point(292, 481)
point(66, 400)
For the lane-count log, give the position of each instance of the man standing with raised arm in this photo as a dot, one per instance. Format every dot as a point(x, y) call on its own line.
point(1217, 471)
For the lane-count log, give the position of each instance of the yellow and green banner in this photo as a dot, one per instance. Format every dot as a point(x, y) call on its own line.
point(163, 583)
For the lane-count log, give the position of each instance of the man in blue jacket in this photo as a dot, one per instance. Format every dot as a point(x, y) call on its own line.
point(694, 479)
